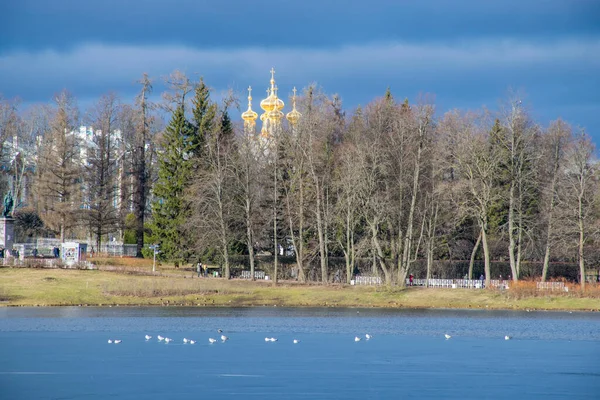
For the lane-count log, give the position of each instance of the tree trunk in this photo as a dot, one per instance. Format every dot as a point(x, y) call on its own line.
point(320, 228)
point(511, 233)
point(581, 243)
point(551, 210)
point(347, 250)
point(275, 243)
point(249, 239)
point(486, 255)
point(406, 256)
point(431, 241)
point(380, 256)
point(473, 253)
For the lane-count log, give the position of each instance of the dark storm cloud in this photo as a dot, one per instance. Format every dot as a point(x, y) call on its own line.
point(469, 53)
point(62, 24)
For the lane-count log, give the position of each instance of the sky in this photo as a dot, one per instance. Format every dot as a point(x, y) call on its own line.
point(468, 54)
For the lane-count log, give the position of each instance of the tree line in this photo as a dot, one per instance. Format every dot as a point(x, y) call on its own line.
point(392, 182)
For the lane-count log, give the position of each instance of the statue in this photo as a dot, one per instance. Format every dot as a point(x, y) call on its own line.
point(8, 204)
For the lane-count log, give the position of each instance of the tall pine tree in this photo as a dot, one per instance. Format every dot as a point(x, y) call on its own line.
point(170, 209)
point(203, 118)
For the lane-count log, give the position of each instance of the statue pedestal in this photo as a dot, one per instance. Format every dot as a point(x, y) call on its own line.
point(7, 232)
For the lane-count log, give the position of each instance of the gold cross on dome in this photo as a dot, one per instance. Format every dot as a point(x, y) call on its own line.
point(294, 90)
point(272, 73)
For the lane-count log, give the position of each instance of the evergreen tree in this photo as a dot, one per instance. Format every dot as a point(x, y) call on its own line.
point(203, 118)
point(170, 209)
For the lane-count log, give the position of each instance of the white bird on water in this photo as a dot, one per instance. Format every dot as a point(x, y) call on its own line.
point(148, 337)
point(220, 330)
point(160, 338)
point(296, 341)
point(224, 338)
point(211, 340)
point(117, 341)
point(192, 341)
point(185, 340)
point(109, 341)
point(368, 336)
point(167, 340)
point(447, 336)
point(356, 339)
point(507, 337)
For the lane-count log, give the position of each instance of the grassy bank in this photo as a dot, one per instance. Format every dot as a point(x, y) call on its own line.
point(128, 286)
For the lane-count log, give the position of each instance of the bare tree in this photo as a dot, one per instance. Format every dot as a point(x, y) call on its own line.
point(475, 164)
point(347, 210)
point(317, 126)
point(518, 138)
point(558, 136)
point(102, 168)
point(248, 165)
point(423, 125)
point(297, 196)
point(59, 170)
point(213, 193)
point(9, 120)
point(578, 198)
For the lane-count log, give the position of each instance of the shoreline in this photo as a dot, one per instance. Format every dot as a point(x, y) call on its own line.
point(142, 305)
point(25, 287)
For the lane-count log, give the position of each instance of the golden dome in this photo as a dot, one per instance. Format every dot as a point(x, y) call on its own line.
point(249, 115)
point(275, 115)
point(293, 116)
point(278, 102)
point(272, 101)
point(269, 103)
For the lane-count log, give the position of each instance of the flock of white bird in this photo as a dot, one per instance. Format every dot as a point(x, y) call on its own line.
point(267, 339)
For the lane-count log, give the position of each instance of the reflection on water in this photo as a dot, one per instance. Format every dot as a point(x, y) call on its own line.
point(63, 352)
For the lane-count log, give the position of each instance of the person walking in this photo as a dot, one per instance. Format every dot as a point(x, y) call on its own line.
point(199, 269)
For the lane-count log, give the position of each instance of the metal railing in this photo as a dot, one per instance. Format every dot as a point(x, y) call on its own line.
point(551, 286)
point(458, 283)
point(257, 275)
point(367, 280)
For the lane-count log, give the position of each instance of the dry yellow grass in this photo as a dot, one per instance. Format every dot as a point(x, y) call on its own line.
point(50, 287)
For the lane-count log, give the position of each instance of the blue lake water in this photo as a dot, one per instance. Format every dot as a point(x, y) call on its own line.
point(62, 353)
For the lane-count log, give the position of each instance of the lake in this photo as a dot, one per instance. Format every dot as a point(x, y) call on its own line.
point(63, 353)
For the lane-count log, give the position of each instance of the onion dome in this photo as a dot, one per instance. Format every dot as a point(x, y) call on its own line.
point(278, 102)
point(269, 103)
point(293, 116)
point(249, 116)
point(275, 115)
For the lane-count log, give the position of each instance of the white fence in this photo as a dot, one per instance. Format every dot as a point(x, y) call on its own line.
point(257, 275)
point(121, 250)
point(458, 283)
point(367, 280)
point(552, 286)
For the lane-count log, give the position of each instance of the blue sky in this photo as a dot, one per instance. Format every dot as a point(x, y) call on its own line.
point(467, 53)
